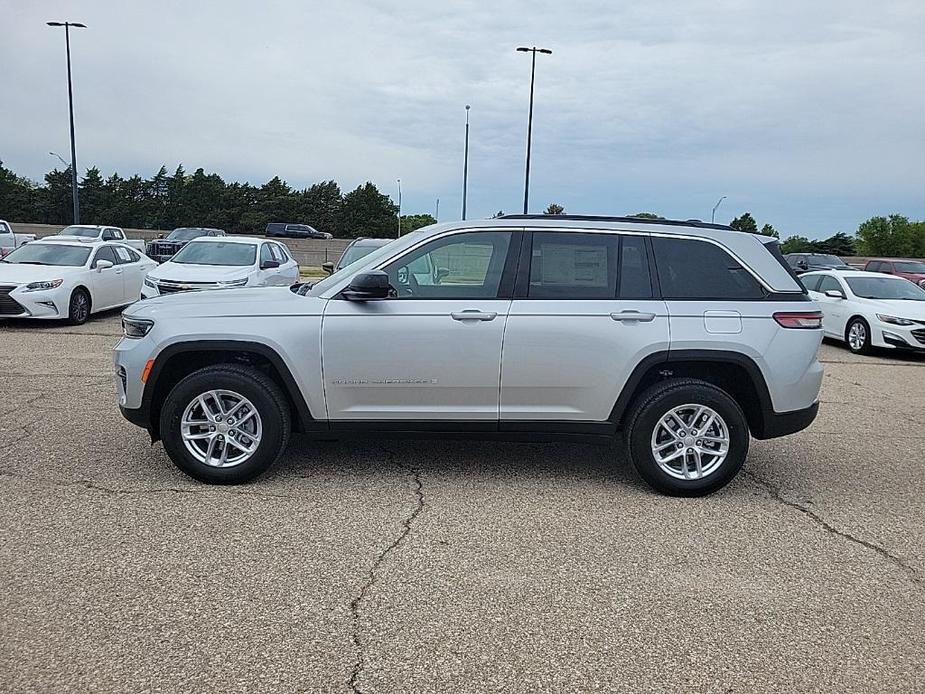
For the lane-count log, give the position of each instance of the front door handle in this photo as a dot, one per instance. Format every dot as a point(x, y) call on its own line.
point(633, 316)
point(473, 314)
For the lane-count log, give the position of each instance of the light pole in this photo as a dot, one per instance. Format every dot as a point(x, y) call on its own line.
point(70, 102)
point(437, 210)
point(399, 206)
point(713, 216)
point(534, 50)
point(466, 165)
point(60, 158)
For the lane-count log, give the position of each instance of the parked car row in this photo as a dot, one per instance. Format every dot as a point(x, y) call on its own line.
point(10, 241)
point(72, 276)
point(913, 270)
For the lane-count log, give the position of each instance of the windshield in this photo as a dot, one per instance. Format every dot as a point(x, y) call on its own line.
point(826, 259)
point(49, 254)
point(355, 252)
point(216, 253)
point(185, 234)
point(85, 232)
point(910, 266)
point(885, 288)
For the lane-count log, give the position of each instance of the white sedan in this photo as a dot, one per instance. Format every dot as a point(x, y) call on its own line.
point(869, 309)
point(223, 263)
point(69, 278)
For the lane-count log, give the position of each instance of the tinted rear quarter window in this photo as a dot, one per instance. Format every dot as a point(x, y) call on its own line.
point(692, 269)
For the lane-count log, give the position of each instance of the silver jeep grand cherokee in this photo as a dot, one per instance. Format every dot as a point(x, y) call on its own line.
point(686, 337)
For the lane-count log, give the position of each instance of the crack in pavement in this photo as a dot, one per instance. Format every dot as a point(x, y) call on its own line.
point(373, 576)
point(884, 553)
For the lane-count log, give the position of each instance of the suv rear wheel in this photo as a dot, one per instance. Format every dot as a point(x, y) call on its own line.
point(225, 424)
point(687, 437)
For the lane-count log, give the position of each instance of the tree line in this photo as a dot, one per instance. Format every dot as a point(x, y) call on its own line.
point(167, 201)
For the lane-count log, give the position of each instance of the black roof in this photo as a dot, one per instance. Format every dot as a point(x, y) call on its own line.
point(633, 220)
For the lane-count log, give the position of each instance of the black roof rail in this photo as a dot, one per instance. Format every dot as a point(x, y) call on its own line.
point(633, 220)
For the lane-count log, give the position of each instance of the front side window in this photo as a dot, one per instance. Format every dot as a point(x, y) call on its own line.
point(265, 254)
point(692, 269)
point(828, 284)
point(104, 253)
point(279, 253)
point(220, 253)
point(462, 266)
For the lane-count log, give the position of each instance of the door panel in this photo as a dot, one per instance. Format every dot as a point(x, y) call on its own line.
point(570, 343)
point(108, 286)
point(410, 359)
point(433, 351)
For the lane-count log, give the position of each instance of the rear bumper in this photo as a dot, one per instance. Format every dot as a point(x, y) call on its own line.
point(776, 424)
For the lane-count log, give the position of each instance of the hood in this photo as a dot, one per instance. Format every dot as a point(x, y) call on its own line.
point(901, 308)
point(182, 272)
point(23, 274)
point(257, 301)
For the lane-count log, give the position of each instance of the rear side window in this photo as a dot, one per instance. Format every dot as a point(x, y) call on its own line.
point(279, 253)
point(574, 266)
point(690, 269)
point(125, 255)
point(635, 282)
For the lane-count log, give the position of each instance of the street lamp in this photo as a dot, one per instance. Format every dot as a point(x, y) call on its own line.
point(713, 216)
point(60, 158)
point(399, 206)
point(534, 50)
point(466, 165)
point(70, 102)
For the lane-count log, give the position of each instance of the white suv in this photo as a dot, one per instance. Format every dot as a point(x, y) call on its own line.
point(684, 336)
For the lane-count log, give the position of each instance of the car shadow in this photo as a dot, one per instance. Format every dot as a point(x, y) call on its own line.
point(901, 355)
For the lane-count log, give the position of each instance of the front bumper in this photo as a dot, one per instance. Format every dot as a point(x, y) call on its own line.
point(48, 303)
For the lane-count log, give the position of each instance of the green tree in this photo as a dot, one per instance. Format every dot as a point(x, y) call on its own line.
point(797, 244)
point(646, 215)
point(838, 244)
point(891, 236)
point(768, 230)
point(367, 212)
point(410, 222)
point(498, 214)
point(745, 223)
point(554, 208)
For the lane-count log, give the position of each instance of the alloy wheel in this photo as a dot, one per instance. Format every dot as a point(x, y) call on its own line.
point(221, 428)
point(857, 336)
point(690, 442)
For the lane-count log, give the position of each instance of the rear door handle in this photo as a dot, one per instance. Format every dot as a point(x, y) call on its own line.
point(473, 314)
point(633, 316)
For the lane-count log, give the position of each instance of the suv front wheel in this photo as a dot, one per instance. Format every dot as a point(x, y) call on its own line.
point(687, 437)
point(225, 424)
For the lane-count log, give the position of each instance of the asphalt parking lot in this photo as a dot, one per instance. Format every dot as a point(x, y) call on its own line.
point(395, 566)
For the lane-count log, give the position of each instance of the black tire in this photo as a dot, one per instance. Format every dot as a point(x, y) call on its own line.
point(864, 328)
point(268, 400)
point(645, 414)
point(78, 307)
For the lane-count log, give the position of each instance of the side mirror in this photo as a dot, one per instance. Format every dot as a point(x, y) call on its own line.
point(802, 265)
point(328, 267)
point(269, 265)
point(103, 265)
point(159, 236)
point(368, 286)
point(834, 294)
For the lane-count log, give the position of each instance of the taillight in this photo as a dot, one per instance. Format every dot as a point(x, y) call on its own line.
point(805, 320)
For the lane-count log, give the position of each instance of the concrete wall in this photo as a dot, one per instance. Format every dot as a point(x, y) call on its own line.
point(307, 252)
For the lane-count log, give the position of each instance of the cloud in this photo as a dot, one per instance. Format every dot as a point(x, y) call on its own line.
point(806, 113)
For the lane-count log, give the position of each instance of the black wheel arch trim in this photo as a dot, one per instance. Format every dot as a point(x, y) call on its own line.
point(165, 355)
point(762, 429)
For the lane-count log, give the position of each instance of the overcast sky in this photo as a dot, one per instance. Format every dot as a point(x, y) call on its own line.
point(808, 114)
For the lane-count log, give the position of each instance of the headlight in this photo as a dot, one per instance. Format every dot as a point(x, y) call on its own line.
point(894, 320)
point(150, 283)
point(136, 327)
point(234, 283)
point(39, 286)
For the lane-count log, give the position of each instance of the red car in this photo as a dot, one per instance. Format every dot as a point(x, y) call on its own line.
point(913, 270)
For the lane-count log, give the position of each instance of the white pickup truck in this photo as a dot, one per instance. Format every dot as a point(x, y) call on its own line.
point(101, 233)
point(9, 241)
